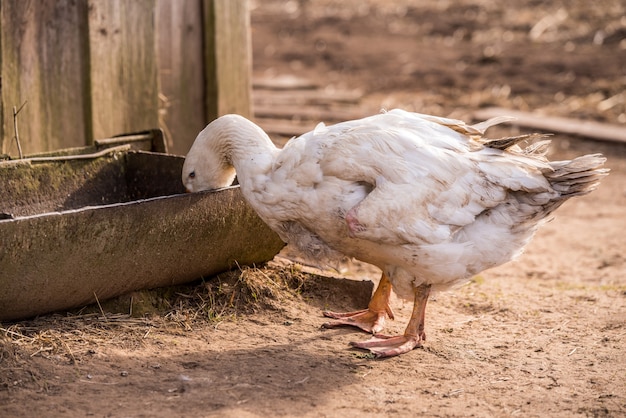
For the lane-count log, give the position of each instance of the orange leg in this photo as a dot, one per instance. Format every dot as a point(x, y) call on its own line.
point(386, 346)
point(371, 319)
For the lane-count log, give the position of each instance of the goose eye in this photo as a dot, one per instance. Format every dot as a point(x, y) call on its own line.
point(192, 175)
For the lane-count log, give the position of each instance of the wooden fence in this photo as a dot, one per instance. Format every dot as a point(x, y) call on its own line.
point(91, 69)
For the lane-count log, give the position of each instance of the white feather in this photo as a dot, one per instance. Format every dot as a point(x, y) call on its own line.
point(425, 198)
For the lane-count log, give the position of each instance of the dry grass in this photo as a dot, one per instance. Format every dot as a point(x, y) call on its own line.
point(143, 321)
point(174, 310)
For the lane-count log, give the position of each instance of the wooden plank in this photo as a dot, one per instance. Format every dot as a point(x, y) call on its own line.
point(43, 61)
point(124, 88)
point(284, 82)
point(227, 57)
point(588, 129)
point(182, 111)
point(313, 113)
point(321, 97)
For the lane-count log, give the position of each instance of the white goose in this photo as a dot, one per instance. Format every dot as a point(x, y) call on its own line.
point(426, 199)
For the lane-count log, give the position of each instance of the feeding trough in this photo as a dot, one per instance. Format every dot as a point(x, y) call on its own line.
point(101, 221)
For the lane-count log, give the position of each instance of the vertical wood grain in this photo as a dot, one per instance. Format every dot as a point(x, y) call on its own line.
point(228, 57)
point(43, 62)
point(181, 72)
point(96, 68)
point(123, 66)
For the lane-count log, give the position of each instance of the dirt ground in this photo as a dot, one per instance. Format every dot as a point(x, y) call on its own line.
point(541, 336)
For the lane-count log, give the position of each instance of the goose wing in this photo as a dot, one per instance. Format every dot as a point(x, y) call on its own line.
point(427, 180)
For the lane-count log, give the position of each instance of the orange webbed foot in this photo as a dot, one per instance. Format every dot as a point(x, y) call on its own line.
point(366, 319)
point(388, 346)
point(371, 319)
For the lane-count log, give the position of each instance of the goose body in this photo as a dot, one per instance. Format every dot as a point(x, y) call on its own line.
point(429, 200)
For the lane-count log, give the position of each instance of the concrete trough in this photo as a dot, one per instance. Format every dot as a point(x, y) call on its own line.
point(73, 229)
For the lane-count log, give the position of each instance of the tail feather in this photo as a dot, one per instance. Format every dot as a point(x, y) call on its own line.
point(577, 177)
point(509, 142)
point(483, 126)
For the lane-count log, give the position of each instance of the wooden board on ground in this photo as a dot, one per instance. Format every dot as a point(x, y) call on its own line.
point(584, 128)
point(289, 106)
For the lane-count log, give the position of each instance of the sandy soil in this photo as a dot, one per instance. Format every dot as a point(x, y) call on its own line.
point(542, 336)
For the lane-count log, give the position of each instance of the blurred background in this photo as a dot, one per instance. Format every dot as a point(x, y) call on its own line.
point(449, 58)
point(93, 69)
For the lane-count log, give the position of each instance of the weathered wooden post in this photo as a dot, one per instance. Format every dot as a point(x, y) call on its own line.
point(180, 49)
point(123, 66)
point(95, 68)
point(43, 60)
point(205, 63)
point(228, 57)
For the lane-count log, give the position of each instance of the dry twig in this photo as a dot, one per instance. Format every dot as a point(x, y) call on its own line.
point(17, 134)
